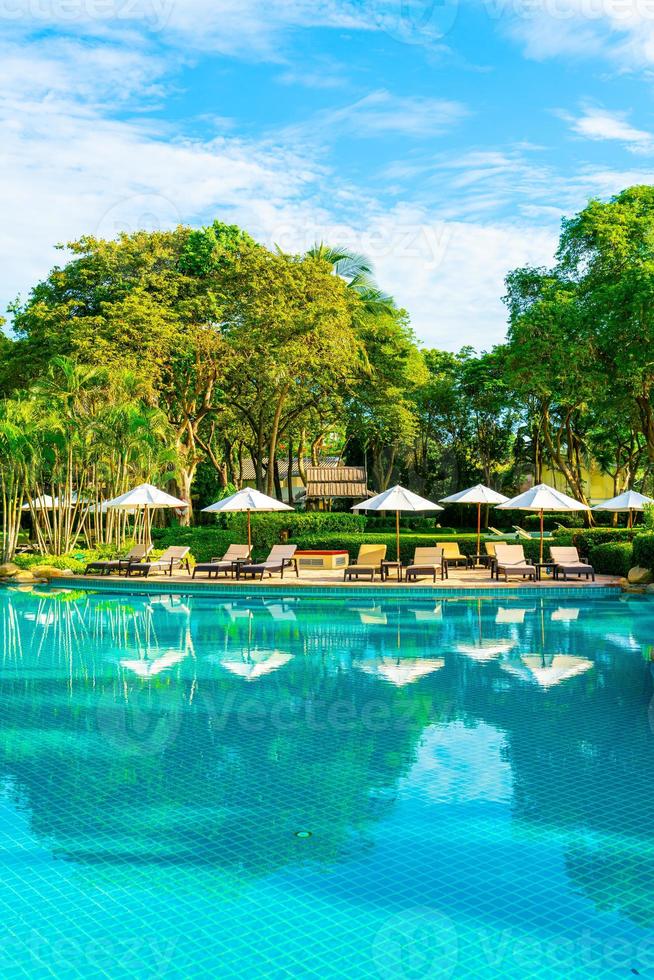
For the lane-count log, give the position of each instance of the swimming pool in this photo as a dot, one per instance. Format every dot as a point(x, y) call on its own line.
point(353, 787)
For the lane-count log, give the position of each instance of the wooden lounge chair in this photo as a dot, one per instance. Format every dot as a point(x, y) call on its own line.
point(172, 558)
point(489, 558)
point(567, 560)
point(136, 554)
point(521, 533)
point(426, 561)
point(496, 532)
point(368, 562)
point(452, 555)
point(226, 564)
point(281, 556)
point(510, 559)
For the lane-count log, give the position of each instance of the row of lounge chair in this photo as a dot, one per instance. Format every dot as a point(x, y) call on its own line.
point(502, 559)
point(509, 559)
point(235, 561)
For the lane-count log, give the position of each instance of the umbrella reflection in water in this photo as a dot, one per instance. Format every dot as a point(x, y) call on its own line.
point(546, 669)
point(400, 671)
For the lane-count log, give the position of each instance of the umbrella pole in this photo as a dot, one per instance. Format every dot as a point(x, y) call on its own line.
point(478, 529)
point(397, 535)
point(249, 533)
point(631, 518)
point(541, 536)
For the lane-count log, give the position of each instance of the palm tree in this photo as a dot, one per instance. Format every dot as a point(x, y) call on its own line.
point(357, 272)
point(16, 446)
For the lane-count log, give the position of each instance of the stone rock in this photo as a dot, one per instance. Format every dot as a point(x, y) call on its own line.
point(22, 575)
point(8, 569)
point(650, 588)
point(640, 576)
point(47, 571)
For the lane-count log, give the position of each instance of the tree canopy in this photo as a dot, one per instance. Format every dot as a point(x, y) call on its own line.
point(170, 354)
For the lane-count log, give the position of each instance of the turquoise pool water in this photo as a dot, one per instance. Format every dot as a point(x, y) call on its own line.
point(371, 787)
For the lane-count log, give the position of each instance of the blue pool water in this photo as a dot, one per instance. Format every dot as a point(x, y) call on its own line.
point(371, 787)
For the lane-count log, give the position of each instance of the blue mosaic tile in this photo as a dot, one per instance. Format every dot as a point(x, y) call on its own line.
point(260, 783)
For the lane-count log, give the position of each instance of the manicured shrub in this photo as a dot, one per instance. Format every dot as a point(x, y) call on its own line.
point(270, 529)
point(75, 562)
point(205, 542)
point(408, 542)
point(585, 538)
point(644, 550)
point(612, 557)
point(551, 522)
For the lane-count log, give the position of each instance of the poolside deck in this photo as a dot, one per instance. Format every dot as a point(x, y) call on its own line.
point(459, 579)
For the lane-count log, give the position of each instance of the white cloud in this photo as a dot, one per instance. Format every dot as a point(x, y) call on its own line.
point(71, 167)
point(246, 28)
point(380, 113)
point(622, 31)
point(601, 124)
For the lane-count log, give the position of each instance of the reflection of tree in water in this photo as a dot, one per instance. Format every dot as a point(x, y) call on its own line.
point(582, 757)
point(192, 767)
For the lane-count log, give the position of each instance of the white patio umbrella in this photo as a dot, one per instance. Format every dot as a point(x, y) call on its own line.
point(245, 501)
point(45, 502)
point(397, 499)
point(478, 495)
point(146, 498)
point(541, 498)
point(628, 502)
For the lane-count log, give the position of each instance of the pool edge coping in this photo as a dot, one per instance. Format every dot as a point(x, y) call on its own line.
point(285, 588)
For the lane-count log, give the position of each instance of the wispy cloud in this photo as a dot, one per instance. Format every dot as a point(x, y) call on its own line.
point(620, 31)
point(381, 113)
point(250, 29)
point(602, 124)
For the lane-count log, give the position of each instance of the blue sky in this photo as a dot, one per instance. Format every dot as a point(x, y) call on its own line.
point(444, 139)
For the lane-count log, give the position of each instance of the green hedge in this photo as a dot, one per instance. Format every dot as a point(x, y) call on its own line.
point(408, 542)
point(410, 522)
point(531, 522)
point(612, 558)
point(270, 529)
point(585, 538)
point(205, 542)
point(76, 560)
point(644, 550)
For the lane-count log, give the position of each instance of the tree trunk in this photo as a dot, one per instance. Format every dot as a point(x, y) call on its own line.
point(272, 445)
point(300, 456)
point(278, 482)
point(289, 475)
point(187, 473)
